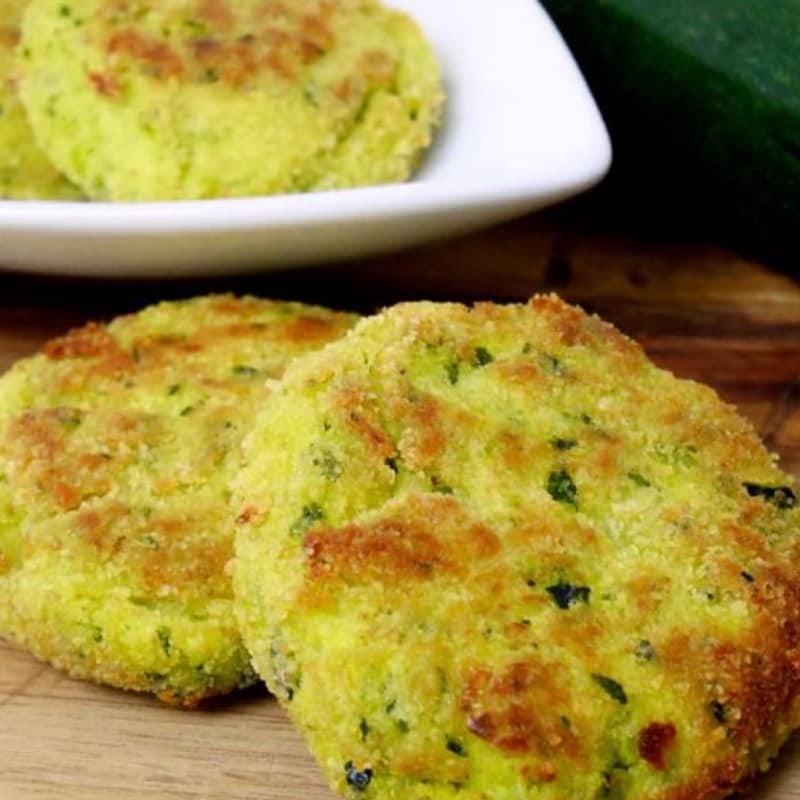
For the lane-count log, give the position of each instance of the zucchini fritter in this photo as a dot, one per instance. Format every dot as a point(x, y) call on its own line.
point(184, 99)
point(495, 552)
point(116, 447)
point(25, 172)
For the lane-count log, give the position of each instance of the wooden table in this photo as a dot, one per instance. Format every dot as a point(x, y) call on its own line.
point(698, 309)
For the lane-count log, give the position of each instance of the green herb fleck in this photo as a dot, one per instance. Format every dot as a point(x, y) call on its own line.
point(329, 466)
point(562, 488)
point(440, 487)
point(780, 496)
point(718, 711)
point(453, 370)
point(456, 747)
point(363, 728)
point(482, 357)
point(563, 444)
point(613, 689)
point(358, 779)
point(644, 651)
point(163, 634)
point(747, 576)
point(639, 479)
point(565, 595)
point(245, 371)
point(312, 513)
point(554, 366)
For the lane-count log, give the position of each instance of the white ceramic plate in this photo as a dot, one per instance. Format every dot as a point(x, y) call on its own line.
point(521, 132)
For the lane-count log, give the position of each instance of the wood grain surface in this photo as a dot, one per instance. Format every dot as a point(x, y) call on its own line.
point(698, 309)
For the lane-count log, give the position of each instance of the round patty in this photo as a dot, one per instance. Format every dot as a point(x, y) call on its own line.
point(495, 552)
point(184, 99)
point(25, 172)
point(116, 447)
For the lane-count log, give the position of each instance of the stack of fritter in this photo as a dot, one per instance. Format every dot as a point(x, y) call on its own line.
point(480, 553)
point(187, 99)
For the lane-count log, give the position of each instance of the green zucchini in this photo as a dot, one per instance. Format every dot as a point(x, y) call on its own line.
point(702, 98)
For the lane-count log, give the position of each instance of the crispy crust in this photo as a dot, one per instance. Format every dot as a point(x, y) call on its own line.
point(115, 448)
point(512, 556)
point(25, 171)
point(184, 99)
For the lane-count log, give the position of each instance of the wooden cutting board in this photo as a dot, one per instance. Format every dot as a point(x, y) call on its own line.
point(699, 310)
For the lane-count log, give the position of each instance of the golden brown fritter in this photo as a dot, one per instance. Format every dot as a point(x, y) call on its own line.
point(495, 552)
point(25, 172)
point(117, 443)
point(184, 99)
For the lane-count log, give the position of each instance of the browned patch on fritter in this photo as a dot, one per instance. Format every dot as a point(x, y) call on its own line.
point(9, 36)
point(377, 68)
point(647, 592)
point(574, 327)
point(218, 13)
point(522, 372)
point(240, 45)
point(92, 341)
point(248, 515)
point(167, 554)
point(521, 710)
point(102, 529)
point(185, 561)
point(106, 84)
point(422, 419)
point(655, 742)
point(430, 537)
point(307, 329)
point(158, 59)
point(756, 679)
point(51, 455)
point(37, 452)
point(359, 411)
point(154, 351)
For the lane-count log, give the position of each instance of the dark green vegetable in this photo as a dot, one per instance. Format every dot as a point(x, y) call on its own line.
point(311, 513)
point(639, 479)
point(164, 640)
point(712, 87)
point(780, 496)
point(613, 689)
point(453, 371)
point(565, 595)
point(482, 357)
point(645, 651)
point(358, 779)
point(456, 747)
point(439, 487)
point(562, 488)
point(554, 365)
point(718, 710)
point(328, 465)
